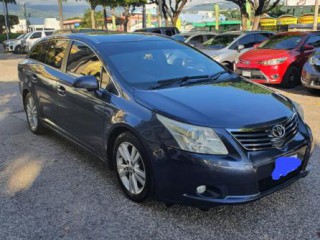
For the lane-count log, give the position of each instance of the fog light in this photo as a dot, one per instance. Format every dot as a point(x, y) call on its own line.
point(201, 189)
point(275, 76)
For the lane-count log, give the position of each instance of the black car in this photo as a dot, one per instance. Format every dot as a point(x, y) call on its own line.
point(310, 76)
point(171, 122)
point(168, 31)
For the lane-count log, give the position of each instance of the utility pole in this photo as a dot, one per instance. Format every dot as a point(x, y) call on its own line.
point(60, 14)
point(144, 25)
point(5, 19)
point(315, 17)
point(105, 16)
point(159, 13)
point(24, 9)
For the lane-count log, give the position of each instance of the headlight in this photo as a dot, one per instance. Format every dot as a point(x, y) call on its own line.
point(215, 57)
point(194, 138)
point(275, 61)
point(299, 109)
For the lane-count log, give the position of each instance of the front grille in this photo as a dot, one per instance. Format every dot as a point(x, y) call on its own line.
point(256, 139)
point(255, 74)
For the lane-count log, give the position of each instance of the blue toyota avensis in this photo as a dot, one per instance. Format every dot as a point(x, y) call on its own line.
point(171, 122)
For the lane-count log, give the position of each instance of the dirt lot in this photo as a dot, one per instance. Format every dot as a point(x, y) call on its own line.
point(51, 189)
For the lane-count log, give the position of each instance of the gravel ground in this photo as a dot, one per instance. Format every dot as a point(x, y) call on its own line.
point(51, 189)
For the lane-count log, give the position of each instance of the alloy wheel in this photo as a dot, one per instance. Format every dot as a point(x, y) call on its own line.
point(32, 113)
point(130, 167)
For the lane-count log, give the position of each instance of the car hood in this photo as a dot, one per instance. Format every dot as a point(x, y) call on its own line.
point(263, 54)
point(228, 104)
point(211, 52)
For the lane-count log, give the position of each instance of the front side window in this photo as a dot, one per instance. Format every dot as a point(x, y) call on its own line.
point(83, 61)
point(36, 35)
point(196, 39)
point(56, 53)
point(247, 41)
point(314, 40)
point(143, 64)
point(282, 41)
point(38, 53)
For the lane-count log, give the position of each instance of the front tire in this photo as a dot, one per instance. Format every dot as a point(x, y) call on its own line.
point(18, 49)
point(32, 113)
point(291, 78)
point(132, 167)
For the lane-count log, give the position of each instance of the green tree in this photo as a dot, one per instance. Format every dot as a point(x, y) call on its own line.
point(6, 2)
point(13, 20)
point(87, 20)
point(261, 7)
point(277, 11)
point(243, 12)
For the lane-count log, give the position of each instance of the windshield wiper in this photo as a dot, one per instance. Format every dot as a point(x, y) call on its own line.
point(209, 78)
point(183, 81)
point(167, 82)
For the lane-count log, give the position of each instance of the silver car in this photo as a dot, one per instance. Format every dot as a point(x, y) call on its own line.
point(194, 38)
point(227, 47)
point(14, 45)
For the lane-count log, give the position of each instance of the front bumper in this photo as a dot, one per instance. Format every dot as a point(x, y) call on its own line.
point(272, 74)
point(310, 76)
point(233, 179)
point(8, 48)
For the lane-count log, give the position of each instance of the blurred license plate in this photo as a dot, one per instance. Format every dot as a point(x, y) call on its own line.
point(285, 165)
point(246, 73)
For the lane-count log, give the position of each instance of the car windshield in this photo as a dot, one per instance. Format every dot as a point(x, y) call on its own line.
point(221, 41)
point(21, 36)
point(143, 64)
point(285, 42)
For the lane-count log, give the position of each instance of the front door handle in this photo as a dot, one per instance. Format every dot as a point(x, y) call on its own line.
point(34, 78)
point(61, 90)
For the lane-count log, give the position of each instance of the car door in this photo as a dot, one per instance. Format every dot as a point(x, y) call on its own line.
point(43, 79)
point(33, 38)
point(81, 113)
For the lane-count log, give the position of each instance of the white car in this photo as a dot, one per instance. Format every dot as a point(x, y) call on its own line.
point(14, 45)
point(227, 47)
point(32, 38)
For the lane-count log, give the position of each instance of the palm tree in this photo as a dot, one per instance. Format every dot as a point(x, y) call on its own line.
point(7, 13)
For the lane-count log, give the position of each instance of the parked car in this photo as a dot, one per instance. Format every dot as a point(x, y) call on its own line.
point(280, 59)
point(31, 38)
point(170, 121)
point(169, 31)
point(310, 77)
point(227, 47)
point(14, 45)
point(194, 38)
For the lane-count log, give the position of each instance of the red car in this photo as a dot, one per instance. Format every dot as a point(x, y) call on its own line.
point(278, 60)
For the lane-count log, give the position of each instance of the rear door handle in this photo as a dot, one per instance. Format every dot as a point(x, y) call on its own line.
point(61, 90)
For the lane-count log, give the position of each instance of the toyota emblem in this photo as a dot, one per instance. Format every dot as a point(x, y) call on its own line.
point(278, 131)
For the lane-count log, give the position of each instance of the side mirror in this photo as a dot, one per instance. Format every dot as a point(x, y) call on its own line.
point(307, 47)
point(88, 82)
point(240, 48)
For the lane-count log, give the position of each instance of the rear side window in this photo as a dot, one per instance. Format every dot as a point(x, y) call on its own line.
point(169, 32)
point(56, 52)
point(83, 61)
point(38, 53)
point(48, 33)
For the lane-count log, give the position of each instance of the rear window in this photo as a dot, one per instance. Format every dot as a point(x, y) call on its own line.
point(38, 52)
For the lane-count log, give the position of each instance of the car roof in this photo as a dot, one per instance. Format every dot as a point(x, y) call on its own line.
point(196, 33)
point(298, 33)
point(97, 39)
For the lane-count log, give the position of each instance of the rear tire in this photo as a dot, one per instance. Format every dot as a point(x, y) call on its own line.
point(132, 167)
point(291, 78)
point(32, 113)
